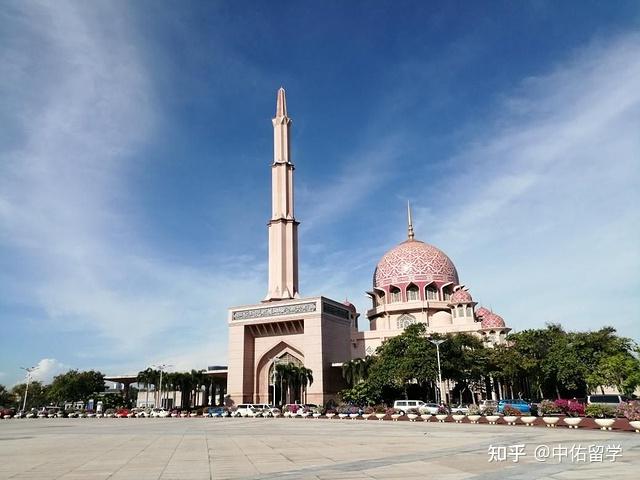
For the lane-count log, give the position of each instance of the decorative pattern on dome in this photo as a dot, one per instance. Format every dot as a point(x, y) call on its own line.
point(491, 320)
point(460, 296)
point(481, 312)
point(415, 261)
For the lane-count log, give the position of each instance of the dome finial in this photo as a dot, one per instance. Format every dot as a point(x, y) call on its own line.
point(411, 234)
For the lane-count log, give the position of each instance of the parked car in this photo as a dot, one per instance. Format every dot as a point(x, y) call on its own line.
point(402, 406)
point(429, 408)
point(607, 400)
point(217, 412)
point(266, 410)
point(488, 405)
point(248, 410)
point(159, 413)
point(123, 413)
point(460, 409)
point(516, 403)
point(7, 412)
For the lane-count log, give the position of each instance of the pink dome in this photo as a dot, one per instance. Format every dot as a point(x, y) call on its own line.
point(491, 320)
point(414, 261)
point(460, 296)
point(482, 312)
point(349, 305)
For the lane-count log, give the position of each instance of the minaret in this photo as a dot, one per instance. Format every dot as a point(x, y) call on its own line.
point(410, 222)
point(283, 228)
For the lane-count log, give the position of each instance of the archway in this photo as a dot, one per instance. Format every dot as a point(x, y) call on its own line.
point(269, 388)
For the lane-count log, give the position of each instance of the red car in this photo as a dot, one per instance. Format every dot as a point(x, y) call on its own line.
point(122, 413)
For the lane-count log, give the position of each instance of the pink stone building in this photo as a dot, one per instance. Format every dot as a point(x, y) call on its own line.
point(413, 282)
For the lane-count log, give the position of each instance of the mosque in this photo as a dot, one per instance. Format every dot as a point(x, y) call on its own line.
point(413, 282)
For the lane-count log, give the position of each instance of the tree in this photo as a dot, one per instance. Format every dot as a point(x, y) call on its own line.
point(356, 370)
point(75, 386)
point(146, 377)
point(6, 397)
point(402, 362)
point(36, 395)
point(305, 376)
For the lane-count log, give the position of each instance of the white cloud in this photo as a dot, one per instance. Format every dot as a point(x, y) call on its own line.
point(541, 215)
point(47, 368)
point(65, 203)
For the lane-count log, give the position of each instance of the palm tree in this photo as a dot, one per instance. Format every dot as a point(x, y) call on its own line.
point(145, 377)
point(285, 372)
point(170, 381)
point(197, 381)
point(356, 370)
point(306, 378)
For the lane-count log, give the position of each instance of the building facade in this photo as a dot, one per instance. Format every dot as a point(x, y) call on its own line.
point(413, 282)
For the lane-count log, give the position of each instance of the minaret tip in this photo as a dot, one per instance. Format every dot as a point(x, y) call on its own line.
point(281, 103)
point(410, 221)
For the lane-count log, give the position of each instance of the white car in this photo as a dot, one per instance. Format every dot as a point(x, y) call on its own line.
point(460, 409)
point(429, 408)
point(248, 410)
point(265, 410)
point(159, 413)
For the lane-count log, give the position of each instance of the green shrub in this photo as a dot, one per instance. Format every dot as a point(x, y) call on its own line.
point(599, 411)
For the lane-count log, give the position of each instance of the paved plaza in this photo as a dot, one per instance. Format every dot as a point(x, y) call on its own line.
point(197, 448)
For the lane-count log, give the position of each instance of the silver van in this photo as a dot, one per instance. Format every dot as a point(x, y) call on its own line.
point(402, 406)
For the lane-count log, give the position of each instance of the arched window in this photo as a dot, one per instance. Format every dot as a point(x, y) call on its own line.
point(469, 311)
point(460, 311)
point(405, 320)
point(395, 294)
point(446, 293)
point(453, 312)
point(432, 293)
point(413, 294)
point(379, 298)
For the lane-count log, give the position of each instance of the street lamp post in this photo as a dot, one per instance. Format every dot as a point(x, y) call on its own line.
point(26, 390)
point(276, 361)
point(161, 367)
point(437, 344)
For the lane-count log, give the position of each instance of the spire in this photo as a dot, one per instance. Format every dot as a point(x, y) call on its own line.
point(281, 104)
point(411, 234)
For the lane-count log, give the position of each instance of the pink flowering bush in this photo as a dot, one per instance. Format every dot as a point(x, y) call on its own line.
point(630, 410)
point(571, 408)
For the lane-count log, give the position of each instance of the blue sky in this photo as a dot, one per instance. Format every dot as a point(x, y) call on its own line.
point(136, 142)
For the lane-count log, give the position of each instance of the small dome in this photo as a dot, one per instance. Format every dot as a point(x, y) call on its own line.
point(349, 305)
point(482, 312)
point(414, 261)
point(492, 320)
point(460, 296)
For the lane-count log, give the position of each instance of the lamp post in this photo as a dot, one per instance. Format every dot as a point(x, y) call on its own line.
point(276, 361)
point(161, 367)
point(26, 390)
point(437, 344)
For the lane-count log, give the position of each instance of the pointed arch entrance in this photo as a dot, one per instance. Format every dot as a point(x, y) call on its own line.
point(269, 388)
